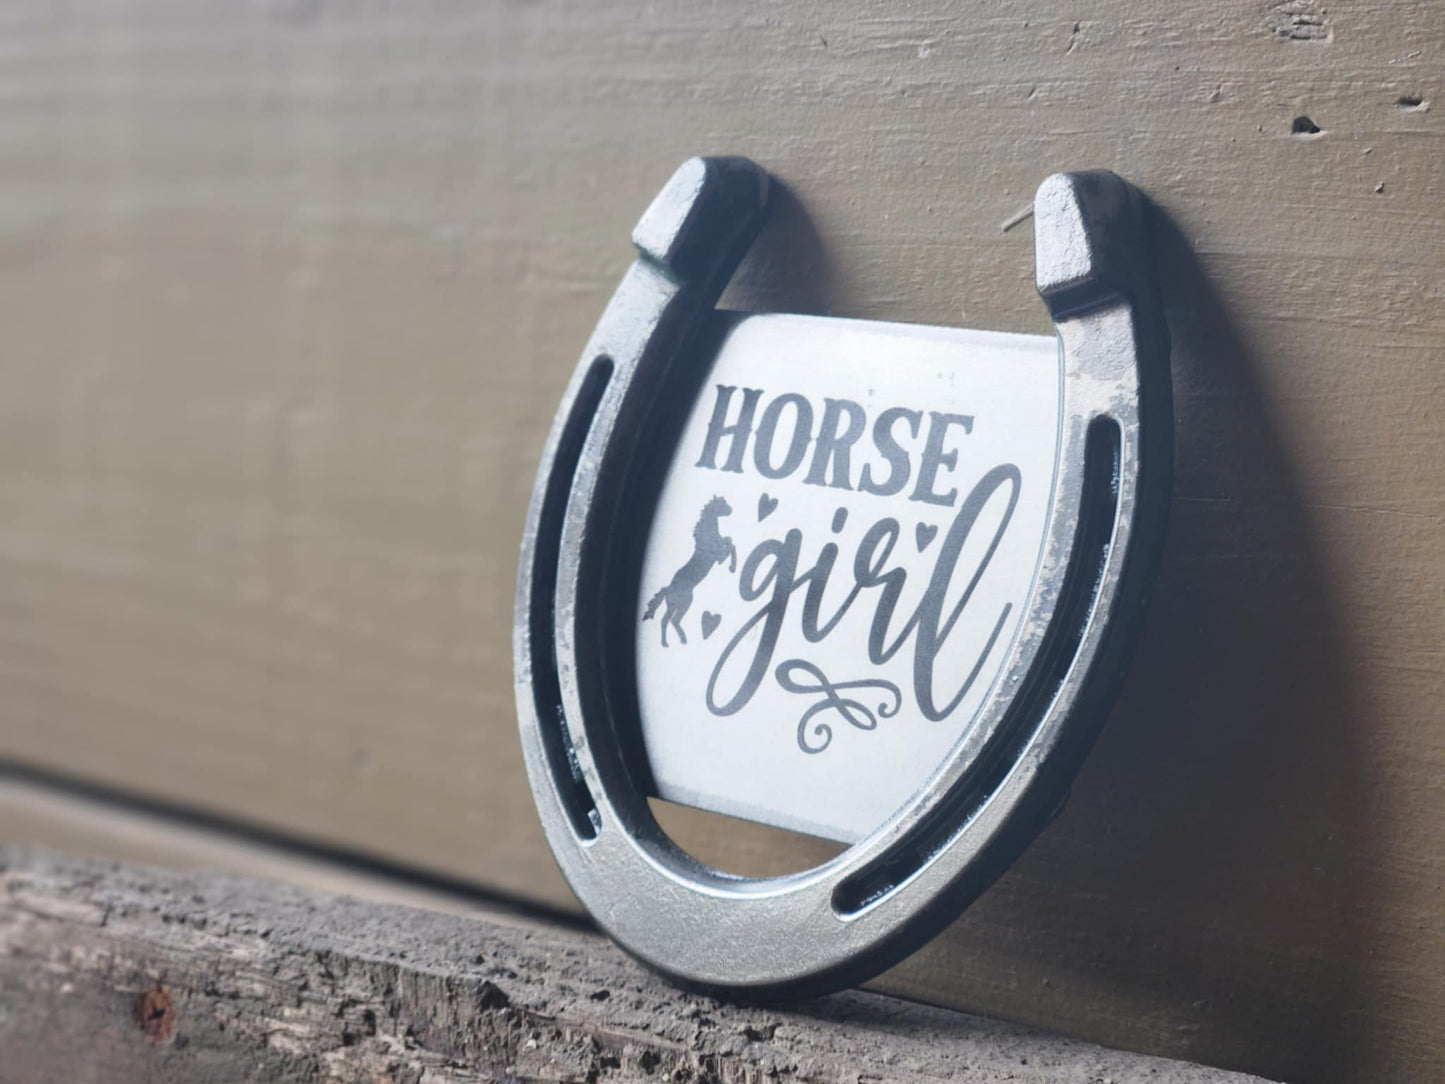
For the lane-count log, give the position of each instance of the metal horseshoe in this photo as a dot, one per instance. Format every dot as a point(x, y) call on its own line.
point(1084, 577)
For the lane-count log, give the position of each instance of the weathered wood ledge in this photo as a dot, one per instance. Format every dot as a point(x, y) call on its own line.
point(123, 973)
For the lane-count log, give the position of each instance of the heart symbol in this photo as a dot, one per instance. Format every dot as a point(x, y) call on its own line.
point(709, 623)
point(924, 532)
point(766, 505)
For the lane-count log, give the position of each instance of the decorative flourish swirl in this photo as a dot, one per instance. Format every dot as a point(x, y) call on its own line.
point(853, 712)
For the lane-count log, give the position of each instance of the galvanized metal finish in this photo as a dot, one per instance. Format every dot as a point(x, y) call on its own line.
point(848, 919)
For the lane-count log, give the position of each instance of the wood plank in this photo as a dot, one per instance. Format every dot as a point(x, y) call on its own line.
point(85, 825)
point(289, 292)
point(128, 974)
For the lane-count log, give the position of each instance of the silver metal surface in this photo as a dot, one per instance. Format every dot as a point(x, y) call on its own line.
point(581, 576)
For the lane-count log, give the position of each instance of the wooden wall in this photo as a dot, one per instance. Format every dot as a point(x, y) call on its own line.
point(289, 290)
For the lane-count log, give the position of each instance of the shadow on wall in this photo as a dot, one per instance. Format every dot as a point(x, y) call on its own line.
point(787, 269)
point(1199, 897)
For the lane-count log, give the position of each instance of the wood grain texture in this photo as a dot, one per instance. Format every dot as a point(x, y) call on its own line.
point(125, 974)
point(83, 826)
point(289, 291)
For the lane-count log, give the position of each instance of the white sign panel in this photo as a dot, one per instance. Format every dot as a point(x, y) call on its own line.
point(839, 563)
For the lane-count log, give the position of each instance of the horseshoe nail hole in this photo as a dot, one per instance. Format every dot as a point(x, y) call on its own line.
point(1303, 126)
point(572, 789)
point(1412, 103)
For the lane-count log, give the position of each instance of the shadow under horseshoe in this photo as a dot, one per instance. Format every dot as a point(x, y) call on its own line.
point(1201, 896)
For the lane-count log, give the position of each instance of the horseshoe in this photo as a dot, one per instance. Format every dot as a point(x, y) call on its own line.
point(598, 485)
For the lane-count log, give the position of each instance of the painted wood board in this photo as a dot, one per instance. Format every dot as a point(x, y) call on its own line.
point(290, 291)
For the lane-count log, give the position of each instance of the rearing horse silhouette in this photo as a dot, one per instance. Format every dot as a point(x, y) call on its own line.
point(710, 546)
